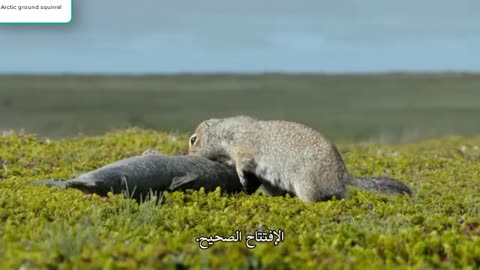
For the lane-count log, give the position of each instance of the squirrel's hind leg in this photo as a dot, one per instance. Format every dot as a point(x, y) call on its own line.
point(309, 193)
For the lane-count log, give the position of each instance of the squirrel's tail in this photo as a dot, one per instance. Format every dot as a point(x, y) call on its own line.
point(379, 184)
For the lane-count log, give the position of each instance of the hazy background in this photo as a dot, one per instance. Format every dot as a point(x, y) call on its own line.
point(122, 38)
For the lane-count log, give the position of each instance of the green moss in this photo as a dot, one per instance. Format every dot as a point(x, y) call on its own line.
point(40, 227)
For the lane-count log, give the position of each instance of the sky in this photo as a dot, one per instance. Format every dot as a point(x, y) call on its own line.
point(147, 36)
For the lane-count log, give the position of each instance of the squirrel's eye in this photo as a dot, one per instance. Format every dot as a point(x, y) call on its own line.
point(193, 139)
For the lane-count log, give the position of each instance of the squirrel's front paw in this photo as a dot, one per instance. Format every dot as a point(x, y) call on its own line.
point(243, 182)
point(249, 189)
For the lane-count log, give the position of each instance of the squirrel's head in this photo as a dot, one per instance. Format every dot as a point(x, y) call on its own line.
point(204, 141)
point(214, 137)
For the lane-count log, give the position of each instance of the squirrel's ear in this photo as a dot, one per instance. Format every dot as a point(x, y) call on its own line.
point(211, 122)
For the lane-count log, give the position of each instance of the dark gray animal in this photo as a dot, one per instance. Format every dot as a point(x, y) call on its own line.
point(155, 172)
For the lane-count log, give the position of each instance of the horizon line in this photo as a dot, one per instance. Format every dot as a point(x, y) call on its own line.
point(233, 73)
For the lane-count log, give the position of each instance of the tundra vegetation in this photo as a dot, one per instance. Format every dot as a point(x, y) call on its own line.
point(49, 228)
point(381, 108)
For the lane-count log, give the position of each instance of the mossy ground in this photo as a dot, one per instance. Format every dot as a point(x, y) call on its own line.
point(40, 227)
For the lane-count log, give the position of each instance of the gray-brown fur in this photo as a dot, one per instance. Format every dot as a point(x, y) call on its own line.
point(288, 157)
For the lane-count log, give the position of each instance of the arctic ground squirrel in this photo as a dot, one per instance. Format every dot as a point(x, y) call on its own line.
point(287, 158)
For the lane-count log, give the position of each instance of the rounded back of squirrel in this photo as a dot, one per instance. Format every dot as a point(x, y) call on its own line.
point(287, 157)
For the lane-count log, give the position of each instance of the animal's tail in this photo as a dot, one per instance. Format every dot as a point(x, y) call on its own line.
point(84, 184)
point(380, 184)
